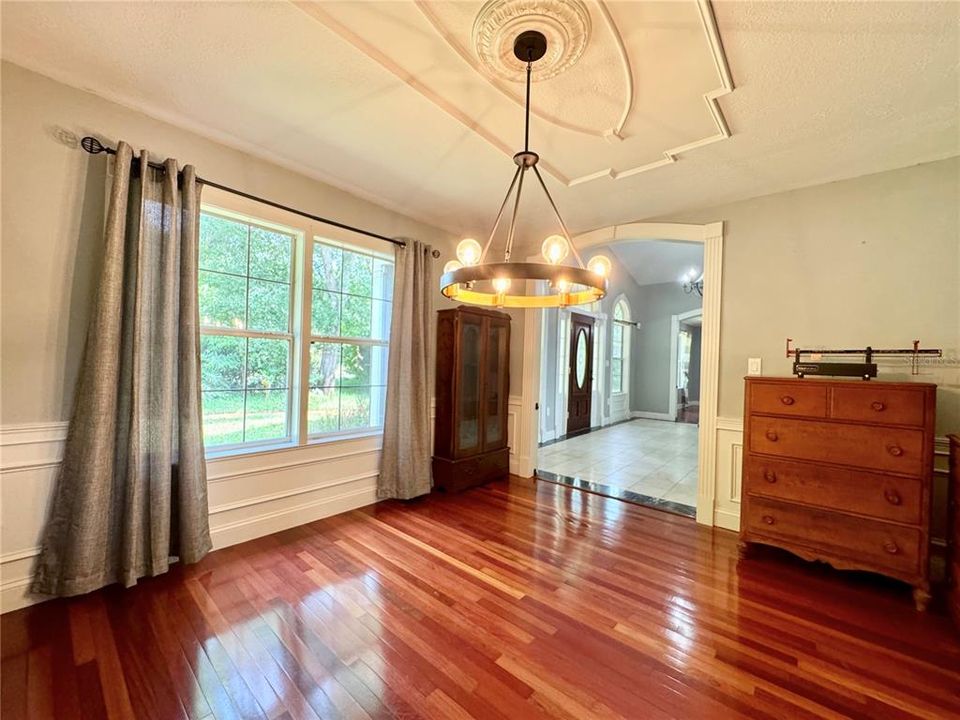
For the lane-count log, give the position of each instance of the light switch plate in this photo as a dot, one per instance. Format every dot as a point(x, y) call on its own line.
point(754, 366)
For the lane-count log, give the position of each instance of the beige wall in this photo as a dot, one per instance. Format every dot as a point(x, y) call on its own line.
point(869, 261)
point(52, 215)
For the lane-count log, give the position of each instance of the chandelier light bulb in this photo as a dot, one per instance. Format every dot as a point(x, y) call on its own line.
point(562, 286)
point(452, 265)
point(501, 284)
point(468, 251)
point(555, 249)
point(599, 265)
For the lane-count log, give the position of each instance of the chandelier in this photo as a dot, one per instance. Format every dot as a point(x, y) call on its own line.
point(692, 282)
point(471, 279)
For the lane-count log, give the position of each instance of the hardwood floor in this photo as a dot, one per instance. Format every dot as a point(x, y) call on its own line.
point(512, 601)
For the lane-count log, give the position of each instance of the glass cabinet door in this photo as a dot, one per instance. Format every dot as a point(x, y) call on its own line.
point(469, 382)
point(495, 386)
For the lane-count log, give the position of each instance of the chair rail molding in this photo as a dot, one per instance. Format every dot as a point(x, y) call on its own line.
point(711, 236)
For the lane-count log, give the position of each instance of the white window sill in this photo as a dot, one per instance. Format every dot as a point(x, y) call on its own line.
point(267, 449)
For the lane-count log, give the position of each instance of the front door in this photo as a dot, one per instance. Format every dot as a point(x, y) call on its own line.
point(580, 374)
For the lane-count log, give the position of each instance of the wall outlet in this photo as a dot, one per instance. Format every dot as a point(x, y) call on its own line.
point(754, 366)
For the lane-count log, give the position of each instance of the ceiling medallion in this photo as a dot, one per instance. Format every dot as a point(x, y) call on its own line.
point(564, 23)
point(472, 280)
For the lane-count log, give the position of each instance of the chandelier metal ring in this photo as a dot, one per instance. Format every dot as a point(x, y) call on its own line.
point(474, 281)
point(461, 285)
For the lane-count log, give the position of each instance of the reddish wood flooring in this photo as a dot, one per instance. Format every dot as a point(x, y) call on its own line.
point(510, 601)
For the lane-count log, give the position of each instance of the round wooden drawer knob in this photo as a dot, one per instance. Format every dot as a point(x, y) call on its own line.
point(895, 450)
point(770, 476)
point(892, 496)
point(786, 400)
point(878, 406)
point(771, 436)
point(769, 519)
point(891, 547)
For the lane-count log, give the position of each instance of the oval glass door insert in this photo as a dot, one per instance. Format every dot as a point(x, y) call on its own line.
point(581, 357)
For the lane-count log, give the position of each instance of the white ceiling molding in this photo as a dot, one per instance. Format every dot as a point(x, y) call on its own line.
point(319, 11)
point(723, 130)
point(565, 25)
point(488, 71)
point(824, 91)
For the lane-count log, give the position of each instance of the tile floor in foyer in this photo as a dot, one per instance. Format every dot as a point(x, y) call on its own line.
point(655, 458)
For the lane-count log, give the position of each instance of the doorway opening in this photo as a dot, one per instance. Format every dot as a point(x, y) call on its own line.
point(686, 342)
point(619, 381)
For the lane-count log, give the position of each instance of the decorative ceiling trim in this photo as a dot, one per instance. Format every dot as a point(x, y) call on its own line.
point(615, 133)
point(314, 10)
point(708, 21)
point(565, 25)
point(467, 56)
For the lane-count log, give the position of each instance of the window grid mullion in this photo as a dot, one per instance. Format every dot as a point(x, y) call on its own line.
point(255, 334)
point(300, 338)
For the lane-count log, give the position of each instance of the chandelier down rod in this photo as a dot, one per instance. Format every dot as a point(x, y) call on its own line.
point(93, 146)
point(474, 279)
point(526, 160)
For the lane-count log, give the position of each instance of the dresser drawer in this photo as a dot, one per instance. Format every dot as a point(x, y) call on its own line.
point(882, 496)
point(873, 403)
point(898, 450)
point(870, 542)
point(789, 398)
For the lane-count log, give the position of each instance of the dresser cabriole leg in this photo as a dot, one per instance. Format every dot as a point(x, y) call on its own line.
point(921, 596)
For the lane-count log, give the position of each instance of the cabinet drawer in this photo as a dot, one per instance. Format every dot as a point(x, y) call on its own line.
point(789, 398)
point(871, 542)
point(875, 448)
point(882, 496)
point(873, 403)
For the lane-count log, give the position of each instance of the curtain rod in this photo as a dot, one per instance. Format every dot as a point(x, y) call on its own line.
point(95, 147)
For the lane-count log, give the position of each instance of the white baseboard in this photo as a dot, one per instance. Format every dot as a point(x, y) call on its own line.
point(651, 415)
point(306, 483)
point(243, 529)
point(727, 520)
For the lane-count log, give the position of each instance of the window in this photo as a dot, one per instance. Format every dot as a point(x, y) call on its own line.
point(350, 327)
point(271, 372)
point(620, 347)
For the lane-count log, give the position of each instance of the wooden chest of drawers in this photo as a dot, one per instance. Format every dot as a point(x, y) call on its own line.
point(841, 472)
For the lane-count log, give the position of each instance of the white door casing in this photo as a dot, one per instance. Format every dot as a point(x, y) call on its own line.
point(711, 235)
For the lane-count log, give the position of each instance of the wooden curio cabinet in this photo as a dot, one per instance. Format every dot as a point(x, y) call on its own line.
point(473, 382)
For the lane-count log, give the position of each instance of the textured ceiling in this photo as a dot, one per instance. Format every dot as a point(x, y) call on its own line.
point(385, 98)
point(658, 261)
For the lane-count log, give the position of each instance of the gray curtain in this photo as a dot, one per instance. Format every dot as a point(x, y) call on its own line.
point(405, 460)
point(131, 496)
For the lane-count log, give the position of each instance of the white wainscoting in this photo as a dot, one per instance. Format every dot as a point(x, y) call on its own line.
point(729, 466)
point(619, 407)
point(250, 495)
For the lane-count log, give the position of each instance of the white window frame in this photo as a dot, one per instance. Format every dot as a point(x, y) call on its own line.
point(307, 322)
point(625, 343)
point(307, 233)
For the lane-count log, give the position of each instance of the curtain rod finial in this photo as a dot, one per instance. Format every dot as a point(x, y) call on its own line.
point(92, 145)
